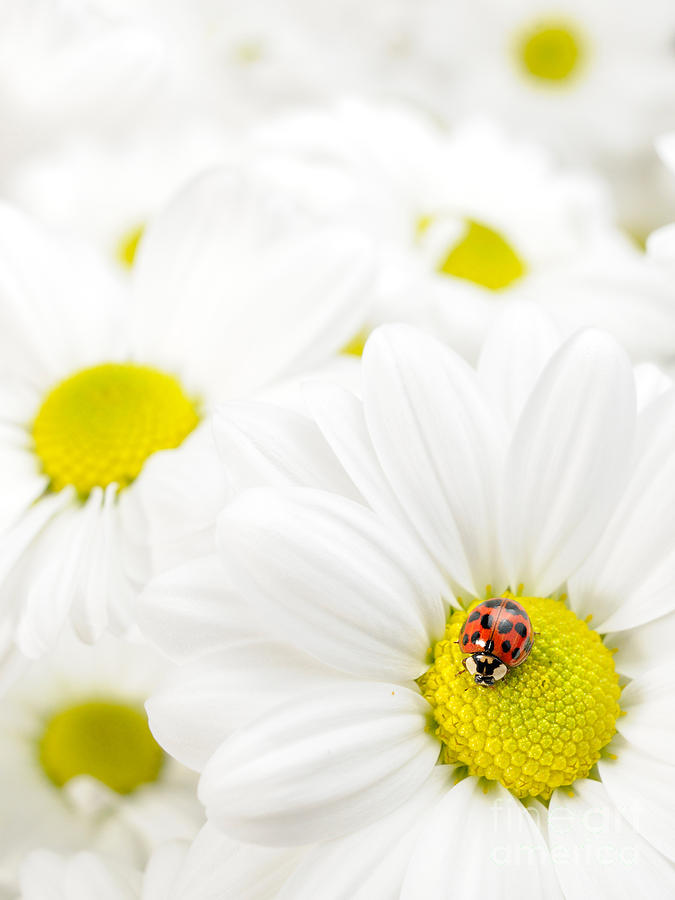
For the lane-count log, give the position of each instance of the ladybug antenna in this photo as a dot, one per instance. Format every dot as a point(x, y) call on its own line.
point(461, 672)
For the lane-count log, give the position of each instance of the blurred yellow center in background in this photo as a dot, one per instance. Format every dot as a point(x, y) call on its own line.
point(108, 741)
point(128, 246)
point(545, 724)
point(550, 53)
point(484, 257)
point(100, 425)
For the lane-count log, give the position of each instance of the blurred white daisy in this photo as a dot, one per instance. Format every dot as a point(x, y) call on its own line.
point(66, 68)
point(231, 293)
point(466, 220)
point(79, 767)
point(587, 78)
point(341, 720)
point(211, 867)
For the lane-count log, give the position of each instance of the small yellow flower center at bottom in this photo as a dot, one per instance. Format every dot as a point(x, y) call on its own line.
point(551, 52)
point(100, 425)
point(127, 247)
point(546, 723)
point(106, 740)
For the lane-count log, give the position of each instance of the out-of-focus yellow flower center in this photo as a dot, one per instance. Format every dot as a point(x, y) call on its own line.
point(550, 53)
point(108, 741)
point(100, 425)
point(128, 246)
point(484, 257)
point(545, 724)
point(357, 343)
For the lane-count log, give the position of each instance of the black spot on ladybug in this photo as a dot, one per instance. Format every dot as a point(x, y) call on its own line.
point(492, 603)
point(465, 639)
point(474, 615)
point(486, 621)
point(515, 653)
point(504, 626)
point(506, 646)
point(489, 646)
point(520, 628)
point(513, 607)
point(475, 636)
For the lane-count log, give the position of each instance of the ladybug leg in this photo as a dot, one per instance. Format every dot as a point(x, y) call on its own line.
point(461, 672)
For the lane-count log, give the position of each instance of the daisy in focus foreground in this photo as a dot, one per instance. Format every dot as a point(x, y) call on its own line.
point(344, 719)
point(231, 292)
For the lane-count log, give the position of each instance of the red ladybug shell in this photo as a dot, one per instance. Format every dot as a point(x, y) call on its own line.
point(501, 627)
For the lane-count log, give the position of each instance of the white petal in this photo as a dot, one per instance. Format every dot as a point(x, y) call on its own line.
point(480, 841)
point(27, 529)
point(193, 610)
point(643, 790)
point(628, 578)
point(218, 868)
point(339, 415)
point(568, 461)
point(515, 351)
point(649, 723)
point(440, 444)
point(261, 444)
point(219, 693)
point(322, 766)
point(369, 864)
point(636, 646)
point(228, 258)
point(327, 575)
point(596, 852)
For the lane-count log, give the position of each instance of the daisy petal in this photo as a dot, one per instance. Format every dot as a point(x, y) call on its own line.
point(261, 444)
point(635, 646)
point(472, 837)
point(192, 610)
point(597, 853)
point(514, 354)
point(643, 790)
point(322, 766)
point(648, 702)
point(329, 577)
point(567, 462)
point(377, 855)
point(629, 576)
point(193, 716)
point(429, 420)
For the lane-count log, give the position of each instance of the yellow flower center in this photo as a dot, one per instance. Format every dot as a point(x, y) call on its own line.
point(546, 723)
point(108, 741)
point(128, 246)
point(484, 257)
point(356, 346)
point(551, 53)
point(100, 425)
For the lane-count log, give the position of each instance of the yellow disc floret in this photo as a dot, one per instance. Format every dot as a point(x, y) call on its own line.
point(546, 723)
point(108, 741)
point(100, 425)
point(484, 257)
point(550, 53)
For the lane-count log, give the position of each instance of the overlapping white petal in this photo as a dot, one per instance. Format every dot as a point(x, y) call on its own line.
point(321, 765)
point(329, 577)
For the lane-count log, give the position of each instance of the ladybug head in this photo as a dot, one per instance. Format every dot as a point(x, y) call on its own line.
point(485, 668)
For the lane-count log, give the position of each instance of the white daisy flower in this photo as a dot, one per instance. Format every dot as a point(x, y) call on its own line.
point(231, 293)
point(66, 68)
point(343, 719)
point(591, 78)
point(79, 766)
point(468, 219)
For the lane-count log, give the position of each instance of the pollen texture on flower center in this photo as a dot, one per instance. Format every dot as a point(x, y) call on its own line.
point(484, 257)
point(550, 53)
point(100, 425)
point(546, 723)
point(108, 741)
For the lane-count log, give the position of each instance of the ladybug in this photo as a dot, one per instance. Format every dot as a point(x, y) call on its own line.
point(498, 636)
